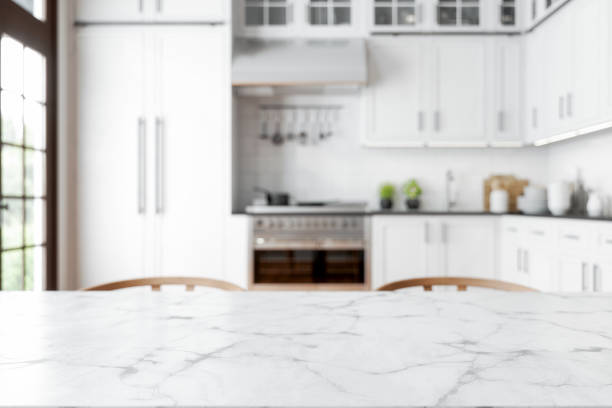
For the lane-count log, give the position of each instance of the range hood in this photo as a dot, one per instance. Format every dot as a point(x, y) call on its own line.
point(299, 63)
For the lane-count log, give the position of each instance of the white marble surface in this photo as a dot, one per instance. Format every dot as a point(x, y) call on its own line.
point(305, 349)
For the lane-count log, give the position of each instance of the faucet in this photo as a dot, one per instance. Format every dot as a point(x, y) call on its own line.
point(451, 192)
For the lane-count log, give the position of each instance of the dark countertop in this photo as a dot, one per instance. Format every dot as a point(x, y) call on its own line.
point(430, 214)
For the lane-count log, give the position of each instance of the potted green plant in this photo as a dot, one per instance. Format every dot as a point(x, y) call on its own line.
point(413, 192)
point(387, 193)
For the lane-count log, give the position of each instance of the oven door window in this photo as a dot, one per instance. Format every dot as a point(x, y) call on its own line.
point(293, 266)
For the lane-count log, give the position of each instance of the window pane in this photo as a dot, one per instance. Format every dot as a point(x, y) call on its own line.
point(277, 16)
point(34, 268)
point(12, 270)
point(318, 15)
point(11, 66)
point(447, 15)
point(254, 16)
point(37, 8)
point(12, 117)
point(35, 222)
point(12, 224)
point(383, 15)
point(342, 16)
point(470, 16)
point(35, 117)
point(406, 16)
point(12, 171)
point(34, 65)
point(34, 173)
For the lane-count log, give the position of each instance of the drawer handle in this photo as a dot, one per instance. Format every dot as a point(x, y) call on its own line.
point(608, 241)
point(572, 237)
point(511, 229)
point(540, 233)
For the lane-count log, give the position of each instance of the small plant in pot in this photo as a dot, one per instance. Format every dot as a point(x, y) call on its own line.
point(386, 192)
point(413, 192)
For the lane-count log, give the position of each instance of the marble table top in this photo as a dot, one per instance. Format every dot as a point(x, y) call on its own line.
point(305, 349)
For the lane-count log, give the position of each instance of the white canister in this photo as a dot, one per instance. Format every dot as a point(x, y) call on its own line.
point(595, 205)
point(498, 201)
point(559, 198)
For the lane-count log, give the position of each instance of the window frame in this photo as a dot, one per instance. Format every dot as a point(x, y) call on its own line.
point(42, 37)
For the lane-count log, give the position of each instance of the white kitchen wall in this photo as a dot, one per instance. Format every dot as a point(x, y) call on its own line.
point(592, 155)
point(340, 168)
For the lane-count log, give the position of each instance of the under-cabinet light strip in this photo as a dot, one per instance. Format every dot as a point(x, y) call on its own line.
point(574, 133)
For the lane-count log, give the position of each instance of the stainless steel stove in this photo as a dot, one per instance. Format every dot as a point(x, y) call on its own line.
point(330, 207)
point(310, 247)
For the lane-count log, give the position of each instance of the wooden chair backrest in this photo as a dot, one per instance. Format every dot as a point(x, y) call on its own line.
point(461, 283)
point(157, 283)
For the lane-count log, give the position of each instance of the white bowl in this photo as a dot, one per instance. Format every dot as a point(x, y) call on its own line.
point(558, 209)
point(535, 193)
point(534, 207)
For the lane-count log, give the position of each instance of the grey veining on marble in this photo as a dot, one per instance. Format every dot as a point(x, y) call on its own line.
point(305, 349)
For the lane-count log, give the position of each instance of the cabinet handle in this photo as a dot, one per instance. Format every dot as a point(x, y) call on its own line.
point(526, 261)
point(534, 118)
point(420, 13)
point(519, 259)
point(421, 120)
point(444, 234)
point(585, 286)
point(597, 283)
point(569, 107)
point(511, 229)
point(537, 232)
point(140, 6)
point(142, 165)
point(561, 107)
point(572, 237)
point(608, 241)
point(437, 121)
point(500, 121)
point(159, 5)
point(159, 165)
point(426, 233)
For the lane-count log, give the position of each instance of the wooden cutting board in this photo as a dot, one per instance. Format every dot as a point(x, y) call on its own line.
point(511, 184)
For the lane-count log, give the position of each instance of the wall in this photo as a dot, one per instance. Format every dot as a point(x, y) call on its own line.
point(592, 155)
point(339, 168)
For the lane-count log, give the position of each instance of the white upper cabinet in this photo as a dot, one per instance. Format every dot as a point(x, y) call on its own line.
point(459, 15)
point(151, 10)
point(297, 18)
point(398, 15)
point(459, 91)
point(534, 87)
point(607, 55)
point(397, 112)
point(585, 91)
point(112, 10)
point(191, 10)
point(505, 127)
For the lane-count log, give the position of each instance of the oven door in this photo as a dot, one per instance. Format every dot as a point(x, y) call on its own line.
point(314, 266)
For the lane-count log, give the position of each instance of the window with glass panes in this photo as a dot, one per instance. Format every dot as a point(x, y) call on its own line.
point(395, 12)
point(458, 12)
point(329, 12)
point(27, 52)
point(258, 13)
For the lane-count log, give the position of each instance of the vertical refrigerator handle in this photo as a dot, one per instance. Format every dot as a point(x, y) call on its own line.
point(142, 165)
point(159, 165)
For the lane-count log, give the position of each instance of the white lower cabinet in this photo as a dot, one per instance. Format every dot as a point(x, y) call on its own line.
point(406, 247)
point(152, 142)
point(400, 249)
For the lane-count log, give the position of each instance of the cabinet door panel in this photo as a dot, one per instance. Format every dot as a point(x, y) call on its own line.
point(191, 10)
point(111, 10)
point(556, 61)
point(534, 90)
point(399, 250)
point(111, 232)
point(460, 97)
point(193, 101)
point(396, 108)
point(573, 275)
point(603, 276)
point(506, 118)
point(469, 248)
point(584, 98)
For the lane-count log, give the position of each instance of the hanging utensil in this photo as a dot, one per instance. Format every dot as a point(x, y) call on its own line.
point(291, 126)
point(304, 133)
point(264, 125)
point(277, 138)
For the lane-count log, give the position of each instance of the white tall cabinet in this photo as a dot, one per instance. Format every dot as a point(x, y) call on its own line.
point(152, 148)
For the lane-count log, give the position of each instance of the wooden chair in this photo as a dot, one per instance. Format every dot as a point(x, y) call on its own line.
point(461, 283)
point(156, 284)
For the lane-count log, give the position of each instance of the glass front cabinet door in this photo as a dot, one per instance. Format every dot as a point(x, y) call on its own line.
point(397, 15)
point(257, 17)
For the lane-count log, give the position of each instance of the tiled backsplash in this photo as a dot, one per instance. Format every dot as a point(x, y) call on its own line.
point(340, 168)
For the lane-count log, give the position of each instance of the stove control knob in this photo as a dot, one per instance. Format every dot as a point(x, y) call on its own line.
point(345, 224)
